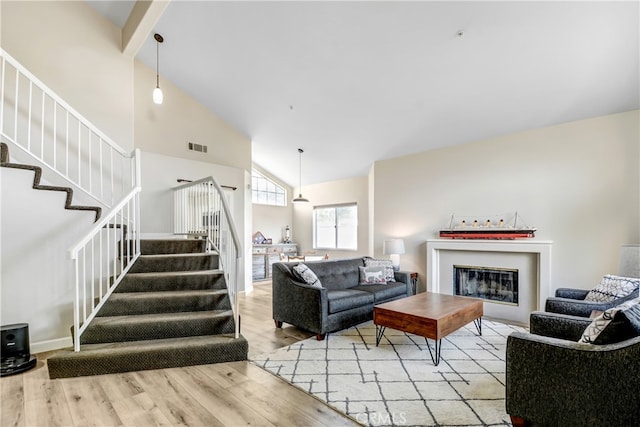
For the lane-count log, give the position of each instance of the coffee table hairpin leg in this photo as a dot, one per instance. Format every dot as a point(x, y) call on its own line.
point(438, 343)
point(379, 333)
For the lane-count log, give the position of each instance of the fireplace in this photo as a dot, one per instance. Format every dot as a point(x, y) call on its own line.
point(493, 284)
point(524, 266)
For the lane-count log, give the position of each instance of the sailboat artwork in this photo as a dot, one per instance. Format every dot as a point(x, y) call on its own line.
point(495, 227)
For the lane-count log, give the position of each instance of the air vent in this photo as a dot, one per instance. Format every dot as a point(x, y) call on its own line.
point(197, 147)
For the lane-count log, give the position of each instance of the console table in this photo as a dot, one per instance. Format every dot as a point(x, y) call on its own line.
point(263, 257)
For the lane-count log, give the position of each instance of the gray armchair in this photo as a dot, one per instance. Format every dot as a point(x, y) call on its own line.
point(571, 301)
point(553, 380)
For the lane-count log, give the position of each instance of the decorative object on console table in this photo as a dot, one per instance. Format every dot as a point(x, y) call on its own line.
point(394, 248)
point(492, 228)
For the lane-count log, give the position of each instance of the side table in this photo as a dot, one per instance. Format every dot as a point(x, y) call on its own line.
point(413, 280)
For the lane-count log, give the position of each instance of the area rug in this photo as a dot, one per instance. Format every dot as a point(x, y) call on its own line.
point(396, 384)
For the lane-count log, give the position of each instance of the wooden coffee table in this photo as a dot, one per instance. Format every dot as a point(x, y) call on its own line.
point(429, 315)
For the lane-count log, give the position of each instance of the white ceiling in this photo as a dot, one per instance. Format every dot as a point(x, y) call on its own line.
point(356, 82)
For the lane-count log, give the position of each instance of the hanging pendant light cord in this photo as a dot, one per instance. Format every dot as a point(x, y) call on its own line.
point(300, 170)
point(157, 64)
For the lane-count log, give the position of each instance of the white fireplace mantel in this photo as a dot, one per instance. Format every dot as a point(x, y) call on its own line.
point(541, 248)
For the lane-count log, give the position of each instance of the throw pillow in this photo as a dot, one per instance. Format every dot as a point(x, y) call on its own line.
point(613, 287)
point(372, 275)
point(615, 324)
point(307, 275)
point(385, 263)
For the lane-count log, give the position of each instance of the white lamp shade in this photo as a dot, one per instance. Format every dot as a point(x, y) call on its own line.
point(629, 263)
point(393, 247)
point(157, 95)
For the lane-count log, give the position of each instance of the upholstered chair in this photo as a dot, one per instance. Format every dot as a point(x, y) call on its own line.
point(572, 301)
point(554, 380)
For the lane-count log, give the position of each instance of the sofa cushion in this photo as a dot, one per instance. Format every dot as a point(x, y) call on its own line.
point(372, 275)
point(616, 324)
point(308, 276)
point(385, 263)
point(345, 299)
point(613, 287)
point(337, 274)
point(385, 292)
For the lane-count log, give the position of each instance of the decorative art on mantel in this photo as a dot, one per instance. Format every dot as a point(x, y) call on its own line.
point(487, 227)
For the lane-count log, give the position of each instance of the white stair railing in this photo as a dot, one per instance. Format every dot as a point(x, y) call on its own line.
point(44, 128)
point(201, 210)
point(38, 122)
point(102, 258)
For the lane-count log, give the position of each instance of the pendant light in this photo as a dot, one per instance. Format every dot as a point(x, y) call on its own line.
point(300, 199)
point(157, 92)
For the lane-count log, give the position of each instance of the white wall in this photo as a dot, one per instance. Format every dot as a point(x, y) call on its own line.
point(76, 52)
point(334, 192)
point(36, 274)
point(167, 128)
point(159, 177)
point(578, 183)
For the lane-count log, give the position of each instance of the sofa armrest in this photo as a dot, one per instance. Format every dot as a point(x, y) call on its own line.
point(297, 303)
point(558, 325)
point(571, 293)
point(557, 382)
point(404, 277)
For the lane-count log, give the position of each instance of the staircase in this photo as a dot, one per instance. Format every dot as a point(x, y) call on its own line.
point(37, 171)
point(171, 309)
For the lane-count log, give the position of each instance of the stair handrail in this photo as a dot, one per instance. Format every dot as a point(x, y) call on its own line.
point(110, 266)
point(77, 165)
point(201, 210)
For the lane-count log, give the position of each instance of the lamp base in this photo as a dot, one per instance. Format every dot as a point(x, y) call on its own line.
point(395, 261)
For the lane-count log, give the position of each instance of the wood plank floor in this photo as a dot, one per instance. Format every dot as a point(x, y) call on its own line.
point(225, 394)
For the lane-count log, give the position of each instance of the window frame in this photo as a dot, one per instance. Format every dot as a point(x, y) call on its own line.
point(266, 192)
point(335, 207)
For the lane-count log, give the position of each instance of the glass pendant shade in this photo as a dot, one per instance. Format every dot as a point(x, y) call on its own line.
point(157, 95)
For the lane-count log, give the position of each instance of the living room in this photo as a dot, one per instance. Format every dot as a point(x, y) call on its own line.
point(577, 181)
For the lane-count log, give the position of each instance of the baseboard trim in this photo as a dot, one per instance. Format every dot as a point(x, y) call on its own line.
point(50, 345)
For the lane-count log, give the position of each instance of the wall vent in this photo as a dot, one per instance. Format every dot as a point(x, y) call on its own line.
point(197, 147)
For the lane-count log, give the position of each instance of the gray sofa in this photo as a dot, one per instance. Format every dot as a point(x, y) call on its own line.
point(341, 303)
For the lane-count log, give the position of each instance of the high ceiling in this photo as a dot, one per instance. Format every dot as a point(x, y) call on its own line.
point(355, 82)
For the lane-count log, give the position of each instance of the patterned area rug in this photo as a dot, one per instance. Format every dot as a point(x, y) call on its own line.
point(396, 384)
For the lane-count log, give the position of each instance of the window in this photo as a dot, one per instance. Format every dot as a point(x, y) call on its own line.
point(335, 227)
point(266, 192)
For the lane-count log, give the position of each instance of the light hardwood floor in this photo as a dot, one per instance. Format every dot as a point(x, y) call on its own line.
point(225, 394)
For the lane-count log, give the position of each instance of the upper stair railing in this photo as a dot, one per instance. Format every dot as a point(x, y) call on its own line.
point(201, 210)
point(46, 129)
point(41, 124)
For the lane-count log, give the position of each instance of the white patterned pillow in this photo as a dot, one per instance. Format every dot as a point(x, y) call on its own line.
point(613, 287)
point(307, 275)
point(385, 263)
point(372, 275)
point(630, 309)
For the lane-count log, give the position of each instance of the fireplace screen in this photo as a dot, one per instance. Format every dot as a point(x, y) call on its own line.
point(489, 283)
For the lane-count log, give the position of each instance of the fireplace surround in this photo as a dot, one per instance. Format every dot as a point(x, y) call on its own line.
point(531, 259)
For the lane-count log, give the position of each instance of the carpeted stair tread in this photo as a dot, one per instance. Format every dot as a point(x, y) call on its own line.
point(106, 358)
point(130, 303)
point(157, 325)
point(175, 262)
point(171, 246)
point(37, 170)
point(172, 280)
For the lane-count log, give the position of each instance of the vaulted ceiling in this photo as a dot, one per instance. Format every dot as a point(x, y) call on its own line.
point(355, 82)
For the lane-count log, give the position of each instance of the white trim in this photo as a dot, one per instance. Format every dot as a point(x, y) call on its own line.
point(50, 345)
